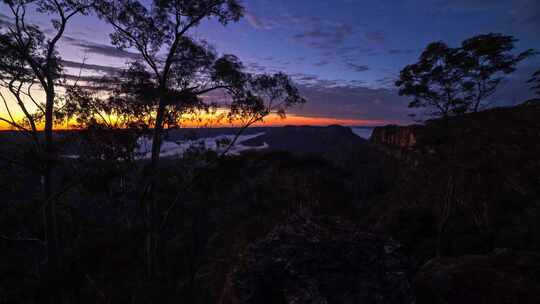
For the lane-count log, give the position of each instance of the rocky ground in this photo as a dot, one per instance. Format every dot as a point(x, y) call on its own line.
point(320, 260)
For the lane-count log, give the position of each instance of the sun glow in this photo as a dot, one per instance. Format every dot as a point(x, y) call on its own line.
point(209, 121)
point(212, 119)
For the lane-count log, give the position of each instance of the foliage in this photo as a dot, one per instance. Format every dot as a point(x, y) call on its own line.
point(535, 81)
point(453, 81)
point(435, 81)
point(174, 70)
point(170, 78)
point(32, 57)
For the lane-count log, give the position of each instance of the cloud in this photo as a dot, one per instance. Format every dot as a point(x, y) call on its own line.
point(254, 67)
point(341, 99)
point(322, 36)
point(255, 22)
point(93, 67)
point(527, 12)
point(272, 22)
point(333, 39)
point(306, 78)
point(523, 12)
point(357, 67)
point(321, 63)
point(310, 80)
point(515, 88)
point(375, 36)
point(353, 102)
point(100, 49)
point(387, 82)
point(330, 37)
point(400, 51)
point(310, 31)
point(468, 4)
point(5, 20)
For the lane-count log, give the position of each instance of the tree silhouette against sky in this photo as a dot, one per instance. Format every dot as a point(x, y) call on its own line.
point(175, 70)
point(30, 58)
point(452, 81)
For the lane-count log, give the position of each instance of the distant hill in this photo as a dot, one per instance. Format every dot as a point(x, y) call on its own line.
point(334, 142)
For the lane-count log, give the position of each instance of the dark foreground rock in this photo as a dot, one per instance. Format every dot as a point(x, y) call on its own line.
point(320, 260)
point(499, 278)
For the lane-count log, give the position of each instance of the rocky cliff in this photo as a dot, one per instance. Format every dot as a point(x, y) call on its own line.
point(396, 136)
point(474, 188)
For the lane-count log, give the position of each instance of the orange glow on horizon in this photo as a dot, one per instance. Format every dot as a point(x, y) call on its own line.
point(299, 120)
point(270, 121)
point(215, 119)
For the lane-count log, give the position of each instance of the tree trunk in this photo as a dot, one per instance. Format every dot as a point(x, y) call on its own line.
point(477, 106)
point(156, 138)
point(49, 208)
point(150, 205)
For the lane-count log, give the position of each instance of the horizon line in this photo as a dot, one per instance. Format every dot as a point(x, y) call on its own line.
point(290, 120)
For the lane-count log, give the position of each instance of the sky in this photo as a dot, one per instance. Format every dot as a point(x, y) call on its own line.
point(344, 55)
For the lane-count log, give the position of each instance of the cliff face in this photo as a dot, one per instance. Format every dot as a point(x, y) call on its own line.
point(474, 190)
point(477, 174)
point(396, 136)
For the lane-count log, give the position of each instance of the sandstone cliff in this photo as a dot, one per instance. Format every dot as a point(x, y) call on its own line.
point(396, 136)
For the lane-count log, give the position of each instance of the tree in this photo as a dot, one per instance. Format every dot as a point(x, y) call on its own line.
point(453, 81)
point(30, 57)
point(175, 71)
point(535, 81)
point(486, 59)
point(436, 81)
point(159, 34)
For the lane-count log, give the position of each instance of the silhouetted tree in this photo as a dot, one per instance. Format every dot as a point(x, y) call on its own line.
point(453, 81)
point(30, 57)
point(436, 81)
point(159, 34)
point(175, 70)
point(535, 81)
point(486, 59)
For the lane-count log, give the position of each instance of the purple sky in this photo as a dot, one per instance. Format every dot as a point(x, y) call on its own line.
point(344, 54)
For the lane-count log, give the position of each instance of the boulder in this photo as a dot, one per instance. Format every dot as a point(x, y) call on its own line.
point(500, 278)
point(320, 260)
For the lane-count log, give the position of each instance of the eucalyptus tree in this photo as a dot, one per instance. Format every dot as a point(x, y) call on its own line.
point(487, 58)
point(30, 59)
point(435, 81)
point(452, 81)
point(175, 72)
point(159, 33)
point(535, 82)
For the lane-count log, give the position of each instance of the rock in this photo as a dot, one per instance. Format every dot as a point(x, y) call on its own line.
point(395, 136)
point(501, 277)
point(320, 260)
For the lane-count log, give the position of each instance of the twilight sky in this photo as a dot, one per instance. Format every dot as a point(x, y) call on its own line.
point(344, 54)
